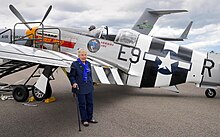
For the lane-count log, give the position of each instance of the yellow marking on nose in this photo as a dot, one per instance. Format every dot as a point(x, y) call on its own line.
point(31, 33)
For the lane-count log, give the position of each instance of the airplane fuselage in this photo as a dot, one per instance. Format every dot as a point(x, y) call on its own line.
point(144, 61)
point(150, 62)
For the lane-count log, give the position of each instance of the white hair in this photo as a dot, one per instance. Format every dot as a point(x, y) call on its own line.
point(81, 51)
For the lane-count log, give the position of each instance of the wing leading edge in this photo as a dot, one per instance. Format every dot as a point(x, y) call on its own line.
point(33, 55)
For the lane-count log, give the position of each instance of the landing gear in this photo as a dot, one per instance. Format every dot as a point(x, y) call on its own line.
point(20, 93)
point(210, 93)
point(45, 77)
point(39, 96)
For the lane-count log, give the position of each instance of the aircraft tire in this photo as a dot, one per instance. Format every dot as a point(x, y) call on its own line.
point(20, 93)
point(39, 96)
point(210, 93)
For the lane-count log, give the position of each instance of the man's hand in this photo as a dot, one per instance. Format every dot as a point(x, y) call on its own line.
point(75, 85)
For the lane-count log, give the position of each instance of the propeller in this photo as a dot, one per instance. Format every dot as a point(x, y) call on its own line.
point(19, 16)
point(46, 14)
point(30, 30)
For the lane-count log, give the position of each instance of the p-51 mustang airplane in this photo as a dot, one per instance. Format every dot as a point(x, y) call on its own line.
point(130, 58)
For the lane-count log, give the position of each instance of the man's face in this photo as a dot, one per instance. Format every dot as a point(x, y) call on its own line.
point(83, 56)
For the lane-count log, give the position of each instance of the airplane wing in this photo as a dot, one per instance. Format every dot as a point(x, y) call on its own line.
point(33, 55)
point(102, 72)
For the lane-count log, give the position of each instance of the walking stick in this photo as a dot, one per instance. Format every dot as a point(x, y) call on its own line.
point(77, 109)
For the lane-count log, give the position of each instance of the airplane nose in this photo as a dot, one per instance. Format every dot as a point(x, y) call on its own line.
point(31, 33)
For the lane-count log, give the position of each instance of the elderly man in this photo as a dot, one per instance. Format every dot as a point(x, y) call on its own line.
point(82, 86)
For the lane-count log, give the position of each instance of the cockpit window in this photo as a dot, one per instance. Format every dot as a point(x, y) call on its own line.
point(127, 37)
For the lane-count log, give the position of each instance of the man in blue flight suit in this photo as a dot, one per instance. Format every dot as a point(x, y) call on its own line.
point(82, 86)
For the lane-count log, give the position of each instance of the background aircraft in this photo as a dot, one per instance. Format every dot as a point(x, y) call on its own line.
point(126, 58)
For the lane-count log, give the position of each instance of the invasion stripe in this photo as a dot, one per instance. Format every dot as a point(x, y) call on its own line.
point(116, 76)
point(150, 74)
point(109, 75)
point(101, 75)
point(151, 68)
point(180, 74)
point(156, 47)
point(184, 54)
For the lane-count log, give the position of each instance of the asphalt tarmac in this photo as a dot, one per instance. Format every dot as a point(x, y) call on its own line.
point(122, 111)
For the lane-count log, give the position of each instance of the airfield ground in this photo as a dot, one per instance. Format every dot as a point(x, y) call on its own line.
point(121, 112)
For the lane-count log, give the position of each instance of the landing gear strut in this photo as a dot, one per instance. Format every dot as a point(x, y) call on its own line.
point(39, 96)
point(210, 93)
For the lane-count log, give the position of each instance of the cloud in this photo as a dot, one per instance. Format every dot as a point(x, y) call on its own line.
point(120, 14)
point(71, 6)
point(203, 12)
point(206, 37)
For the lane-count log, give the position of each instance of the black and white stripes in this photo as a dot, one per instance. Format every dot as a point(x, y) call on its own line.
point(102, 72)
point(166, 64)
point(106, 75)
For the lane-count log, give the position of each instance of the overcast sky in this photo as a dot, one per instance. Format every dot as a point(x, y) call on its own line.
point(117, 14)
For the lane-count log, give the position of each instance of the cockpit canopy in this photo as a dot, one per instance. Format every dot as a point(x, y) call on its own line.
point(127, 37)
point(98, 32)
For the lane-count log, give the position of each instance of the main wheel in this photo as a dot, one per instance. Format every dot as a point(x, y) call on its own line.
point(20, 93)
point(39, 96)
point(210, 93)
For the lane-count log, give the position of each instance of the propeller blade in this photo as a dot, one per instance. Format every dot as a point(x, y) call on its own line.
point(19, 16)
point(46, 14)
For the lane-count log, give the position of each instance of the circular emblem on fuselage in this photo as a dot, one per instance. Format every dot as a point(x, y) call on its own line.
point(93, 45)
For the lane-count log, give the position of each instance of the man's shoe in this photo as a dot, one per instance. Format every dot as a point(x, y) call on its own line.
point(85, 123)
point(93, 121)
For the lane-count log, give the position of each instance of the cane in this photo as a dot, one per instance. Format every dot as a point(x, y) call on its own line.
point(77, 109)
